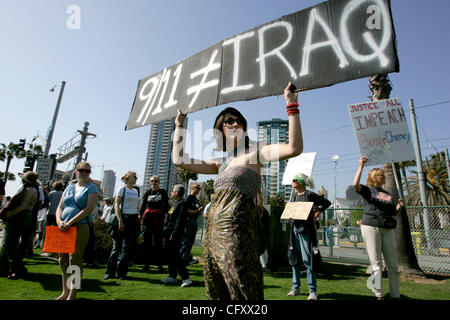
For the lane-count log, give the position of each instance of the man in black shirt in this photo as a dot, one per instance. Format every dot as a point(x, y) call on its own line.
point(194, 210)
point(173, 234)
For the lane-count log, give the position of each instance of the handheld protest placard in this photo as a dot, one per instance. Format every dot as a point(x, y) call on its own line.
point(381, 131)
point(57, 241)
point(331, 42)
point(303, 163)
point(297, 210)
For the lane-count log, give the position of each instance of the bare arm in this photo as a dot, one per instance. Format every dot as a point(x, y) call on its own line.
point(117, 203)
point(92, 201)
point(357, 178)
point(181, 159)
point(278, 152)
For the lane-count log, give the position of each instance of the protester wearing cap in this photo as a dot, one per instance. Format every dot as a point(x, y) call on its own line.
point(303, 235)
point(194, 211)
point(173, 233)
point(17, 216)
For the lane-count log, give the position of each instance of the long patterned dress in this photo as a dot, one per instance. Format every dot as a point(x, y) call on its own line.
point(232, 270)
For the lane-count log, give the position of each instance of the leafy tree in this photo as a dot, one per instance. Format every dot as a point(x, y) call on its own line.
point(8, 153)
point(278, 200)
point(380, 88)
point(185, 176)
point(208, 188)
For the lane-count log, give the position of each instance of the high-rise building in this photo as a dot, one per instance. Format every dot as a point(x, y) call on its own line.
point(272, 132)
point(108, 183)
point(159, 156)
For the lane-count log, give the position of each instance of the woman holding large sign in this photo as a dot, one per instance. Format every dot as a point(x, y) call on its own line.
point(232, 269)
point(377, 228)
point(75, 207)
point(303, 238)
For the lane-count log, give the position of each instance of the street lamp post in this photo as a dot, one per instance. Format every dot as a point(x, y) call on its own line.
point(55, 115)
point(335, 158)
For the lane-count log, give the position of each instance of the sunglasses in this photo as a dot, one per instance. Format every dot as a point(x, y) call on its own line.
point(230, 121)
point(294, 180)
point(84, 170)
point(154, 180)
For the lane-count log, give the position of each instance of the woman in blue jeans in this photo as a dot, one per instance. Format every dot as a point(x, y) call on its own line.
point(126, 208)
point(303, 236)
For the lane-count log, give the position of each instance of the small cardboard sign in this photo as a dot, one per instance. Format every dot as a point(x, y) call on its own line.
point(297, 210)
point(57, 241)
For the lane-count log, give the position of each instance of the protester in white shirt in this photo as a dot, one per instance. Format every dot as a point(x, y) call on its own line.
point(126, 208)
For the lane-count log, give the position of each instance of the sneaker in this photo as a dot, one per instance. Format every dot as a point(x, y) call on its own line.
point(313, 296)
point(107, 276)
point(186, 283)
point(293, 292)
point(193, 261)
point(169, 280)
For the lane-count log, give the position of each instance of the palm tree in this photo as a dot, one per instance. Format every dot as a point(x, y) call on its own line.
point(8, 153)
point(436, 183)
point(380, 88)
point(11, 176)
point(185, 176)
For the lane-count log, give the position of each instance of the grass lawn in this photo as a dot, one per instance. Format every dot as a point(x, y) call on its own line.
point(336, 282)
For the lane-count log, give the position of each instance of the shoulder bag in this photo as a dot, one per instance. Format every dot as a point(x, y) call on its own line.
point(111, 219)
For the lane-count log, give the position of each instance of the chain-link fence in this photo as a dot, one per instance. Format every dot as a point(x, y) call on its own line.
point(430, 232)
point(340, 238)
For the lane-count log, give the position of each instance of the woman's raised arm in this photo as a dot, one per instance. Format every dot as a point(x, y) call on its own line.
point(278, 152)
point(180, 158)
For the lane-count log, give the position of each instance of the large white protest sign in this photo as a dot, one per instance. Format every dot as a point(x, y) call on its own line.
point(331, 42)
point(382, 131)
point(303, 163)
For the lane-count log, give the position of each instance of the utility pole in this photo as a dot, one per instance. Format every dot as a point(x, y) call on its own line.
point(420, 173)
point(447, 162)
point(335, 158)
point(55, 115)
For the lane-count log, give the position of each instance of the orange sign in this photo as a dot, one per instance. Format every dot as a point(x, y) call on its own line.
point(59, 242)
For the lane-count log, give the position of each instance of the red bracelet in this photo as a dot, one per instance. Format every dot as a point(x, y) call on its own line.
point(292, 105)
point(293, 111)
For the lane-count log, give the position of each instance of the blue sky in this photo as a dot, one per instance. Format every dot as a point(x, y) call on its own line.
point(120, 42)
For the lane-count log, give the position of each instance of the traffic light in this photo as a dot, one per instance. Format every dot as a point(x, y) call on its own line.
point(29, 163)
point(22, 144)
